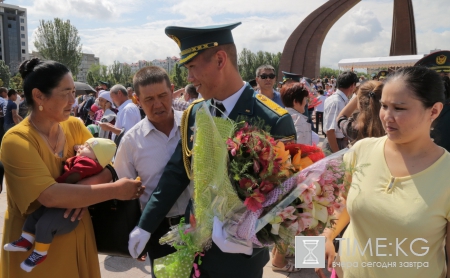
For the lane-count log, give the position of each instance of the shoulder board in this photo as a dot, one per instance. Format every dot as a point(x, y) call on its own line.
point(197, 101)
point(280, 111)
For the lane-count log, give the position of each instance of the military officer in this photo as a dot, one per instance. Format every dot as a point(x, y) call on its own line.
point(210, 55)
point(382, 74)
point(291, 77)
point(440, 62)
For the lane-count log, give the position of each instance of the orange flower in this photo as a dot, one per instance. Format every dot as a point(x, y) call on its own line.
point(296, 161)
point(281, 154)
point(301, 163)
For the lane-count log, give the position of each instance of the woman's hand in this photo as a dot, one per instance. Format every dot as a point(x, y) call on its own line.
point(129, 189)
point(77, 213)
point(330, 253)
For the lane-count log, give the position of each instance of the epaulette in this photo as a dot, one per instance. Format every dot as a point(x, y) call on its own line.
point(187, 153)
point(196, 101)
point(280, 111)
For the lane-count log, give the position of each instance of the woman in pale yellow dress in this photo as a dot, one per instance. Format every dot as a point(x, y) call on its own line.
point(33, 153)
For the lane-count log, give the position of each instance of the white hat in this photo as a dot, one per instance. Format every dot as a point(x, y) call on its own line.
point(106, 95)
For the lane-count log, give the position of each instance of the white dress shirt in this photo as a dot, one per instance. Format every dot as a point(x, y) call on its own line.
point(320, 107)
point(144, 151)
point(333, 106)
point(127, 116)
point(230, 102)
point(302, 127)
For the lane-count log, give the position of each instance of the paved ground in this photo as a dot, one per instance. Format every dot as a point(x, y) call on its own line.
point(117, 267)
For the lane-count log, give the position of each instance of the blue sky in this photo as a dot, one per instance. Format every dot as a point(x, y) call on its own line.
point(132, 30)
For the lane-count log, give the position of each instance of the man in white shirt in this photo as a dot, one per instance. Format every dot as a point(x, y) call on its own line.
point(346, 84)
point(147, 147)
point(128, 114)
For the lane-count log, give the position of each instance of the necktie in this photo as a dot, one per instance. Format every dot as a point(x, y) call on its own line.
point(218, 108)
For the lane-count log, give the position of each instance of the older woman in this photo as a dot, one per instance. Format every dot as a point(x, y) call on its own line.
point(398, 206)
point(109, 113)
point(295, 97)
point(33, 153)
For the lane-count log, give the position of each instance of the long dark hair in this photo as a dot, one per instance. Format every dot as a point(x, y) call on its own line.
point(368, 120)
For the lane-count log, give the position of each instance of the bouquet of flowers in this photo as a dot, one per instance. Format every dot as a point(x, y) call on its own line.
point(263, 190)
point(278, 204)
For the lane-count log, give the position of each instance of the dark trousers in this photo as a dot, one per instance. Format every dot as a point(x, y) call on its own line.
point(156, 250)
point(217, 264)
point(45, 223)
point(310, 112)
point(319, 120)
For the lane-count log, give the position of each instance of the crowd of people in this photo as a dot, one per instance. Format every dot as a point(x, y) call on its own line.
point(386, 124)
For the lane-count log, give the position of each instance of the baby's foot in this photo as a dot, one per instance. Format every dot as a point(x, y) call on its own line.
point(20, 245)
point(33, 260)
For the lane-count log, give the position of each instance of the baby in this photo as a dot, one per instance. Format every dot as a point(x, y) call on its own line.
point(44, 223)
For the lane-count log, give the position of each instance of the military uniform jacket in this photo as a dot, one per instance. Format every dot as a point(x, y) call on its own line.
point(441, 131)
point(175, 180)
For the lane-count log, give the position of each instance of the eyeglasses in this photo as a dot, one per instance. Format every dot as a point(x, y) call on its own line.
point(264, 76)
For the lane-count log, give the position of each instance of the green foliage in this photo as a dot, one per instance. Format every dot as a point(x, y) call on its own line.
point(97, 73)
point(324, 71)
point(178, 77)
point(248, 62)
point(120, 74)
point(16, 82)
point(5, 74)
point(58, 40)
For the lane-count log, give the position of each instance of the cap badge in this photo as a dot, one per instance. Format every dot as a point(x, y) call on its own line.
point(441, 59)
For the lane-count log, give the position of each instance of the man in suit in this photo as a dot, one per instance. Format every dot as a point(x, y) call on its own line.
point(440, 62)
point(210, 56)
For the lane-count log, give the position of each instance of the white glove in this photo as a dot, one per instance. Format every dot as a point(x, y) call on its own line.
point(219, 236)
point(137, 241)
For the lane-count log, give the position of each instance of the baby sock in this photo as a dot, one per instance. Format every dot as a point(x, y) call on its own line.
point(23, 244)
point(38, 256)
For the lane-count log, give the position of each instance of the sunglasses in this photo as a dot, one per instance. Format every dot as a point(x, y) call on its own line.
point(270, 76)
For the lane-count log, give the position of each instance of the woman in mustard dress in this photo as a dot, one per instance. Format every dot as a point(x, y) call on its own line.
point(33, 153)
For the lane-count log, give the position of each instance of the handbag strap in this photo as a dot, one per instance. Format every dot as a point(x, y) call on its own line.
point(113, 172)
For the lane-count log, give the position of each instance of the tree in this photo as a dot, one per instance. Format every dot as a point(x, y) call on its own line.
point(179, 76)
point(5, 74)
point(116, 71)
point(127, 76)
point(248, 62)
point(97, 73)
point(324, 71)
point(58, 40)
point(16, 82)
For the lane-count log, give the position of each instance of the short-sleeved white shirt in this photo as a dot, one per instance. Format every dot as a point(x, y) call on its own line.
point(144, 151)
point(127, 116)
point(333, 106)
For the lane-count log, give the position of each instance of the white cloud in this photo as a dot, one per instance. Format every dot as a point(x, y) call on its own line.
point(88, 9)
point(134, 30)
